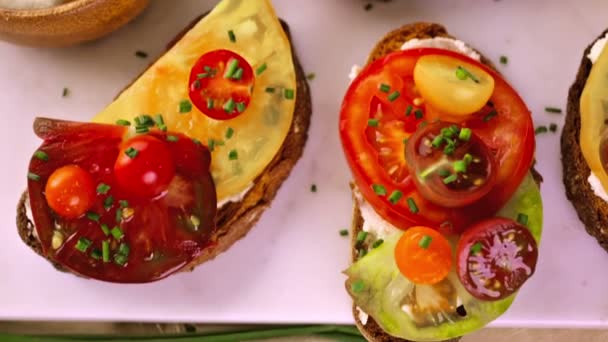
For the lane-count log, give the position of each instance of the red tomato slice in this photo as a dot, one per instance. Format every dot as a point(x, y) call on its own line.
point(450, 165)
point(495, 258)
point(221, 83)
point(146, 238)
point(375, 157)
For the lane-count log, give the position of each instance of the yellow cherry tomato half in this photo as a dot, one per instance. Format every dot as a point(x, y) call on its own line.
point(70, 191)
point(423, 255)
point(452, 85)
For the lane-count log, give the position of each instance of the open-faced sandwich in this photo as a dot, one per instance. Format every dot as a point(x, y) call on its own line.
point(182, 163)
point(584, 141)
point(447, 210)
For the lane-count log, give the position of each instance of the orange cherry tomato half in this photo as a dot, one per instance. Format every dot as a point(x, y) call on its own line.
point(220, 84)
point(144, 167)
point(70, 191)
point(423, 255)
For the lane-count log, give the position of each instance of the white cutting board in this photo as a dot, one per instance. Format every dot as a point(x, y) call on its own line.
point(287, 270)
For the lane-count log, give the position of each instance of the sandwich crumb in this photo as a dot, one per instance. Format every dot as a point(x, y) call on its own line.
point(553, 127)
point(313, 188)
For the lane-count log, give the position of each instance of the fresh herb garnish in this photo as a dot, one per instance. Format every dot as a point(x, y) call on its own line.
point(311, 76)
point(117, 233)
point(394, 95)
point(553, 128)
point(120, 259)
point(33, 176)
point(103, 188)
point(261, 69)
point(229, 106)
point(385, 88)
point(463, 74)
point(450, 179)
point(379, 189)
point(476, 248)
point(490, 115)
point(418, 114)
point(412, 205)
point(540, 130)
point(105, 250)
point(425, 242)
point(233, 155)
point(83, 244)
point(96, 254)
point(372, 122)
point(553, 110)
point(269, 90)
point(233, 64)
point(93, 216)
point(65, 92)
point(229, 132)
point(105, 229)
point(123, 203)
point(361, 236)
point(172, 138)
point(344, 232)
point(41, 155)
point(522, 219)
point(377, 243)
point(107, 202)
point(465, 134)
point(122, 122)
point(395, 196)
point(141, 129)
point(231, 36)
point(357, 286)
point(504, 60)
point(185, 106)
point(238, 74)
point(240, 107)
point(289, 94)
point(131, 152)
point(408, 110)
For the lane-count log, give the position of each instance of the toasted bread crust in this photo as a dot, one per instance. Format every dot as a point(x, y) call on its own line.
point(234, 219)
point(390, 43)
point(591, 210)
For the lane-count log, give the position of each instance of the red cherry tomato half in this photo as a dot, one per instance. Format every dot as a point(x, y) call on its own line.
point(70, 191)
point(423, 255)
point(450, 165)
point(495, 258)
point(221, 83)
point(382, 109)
point(144, 167)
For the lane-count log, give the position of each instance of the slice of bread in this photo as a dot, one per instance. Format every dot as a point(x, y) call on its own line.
point(591, 210)
point(390, 43)
point(234, 219)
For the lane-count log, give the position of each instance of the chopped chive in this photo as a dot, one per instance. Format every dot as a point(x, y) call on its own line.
point(444, 173)
point(522, 219)
point(460, 166)
point(394, 95)
point(233, 64)
point(344, 232)
point(261, 69)
point(395, 197)
point(437, 141)
point(418, 114)
point(96, 254)
point(449, 149)
point(476, 248)
point(425, 242)
point(185, 106)
point(103, 188)
point(405, 140)
point(468, 158)
point(229, 106)
point(379, 189)
point(361, 236)
point(289, 94)
point(313, 188)
point(238, 74)
point(33, 176)
point(362, 253)
point(159, 120)
point(412, 205)
point(93, 216)
point(141, 129)
point(553, 127)
point(408, 111)
point(118, 216)
point(504, 60)
point(461, 74)
point(172, 138)
point(117, 233)
point(311, 76)
point(211, 144)
point(196, 141)
point(240, 107)
point(210, 103)
point(229, 132)
point(65, 92)
point(107, 202)
point(196, 84)
point(124, 249)
point(122, 122)
point(540, 129)
point(357, 286)
point(83, 244)
point(41, 155)
point(490, 115)
point(233, 155)
point(120, 259)
point(377, 243)
point(372, 122)
point(141, 54)
point(105, 229)
point(450, 179)
point(123, 203)
point(105, 250)
point(220, 143)
point(270, 90)
point(553, 110)
point(131, 152)
point(231, 36)
point(385, 88)
point(465, 134)
point(144, 120)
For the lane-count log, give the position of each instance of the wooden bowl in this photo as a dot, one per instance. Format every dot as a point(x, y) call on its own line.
point(68, 24)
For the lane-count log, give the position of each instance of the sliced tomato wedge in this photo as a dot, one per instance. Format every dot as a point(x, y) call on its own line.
point(450, 165)
point(221, 84)
point(495, 258)
point(123, 238)
point(382, 109)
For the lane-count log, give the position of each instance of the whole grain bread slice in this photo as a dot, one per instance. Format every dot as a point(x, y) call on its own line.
point(392, 42)
point(591, 210)
point(234, 219)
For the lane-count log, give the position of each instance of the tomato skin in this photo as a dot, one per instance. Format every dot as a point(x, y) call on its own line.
point(210, 90)
point(149, 172)
point(421, 265)
point(503, 260)
point(70, 191)
point(509, 135)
